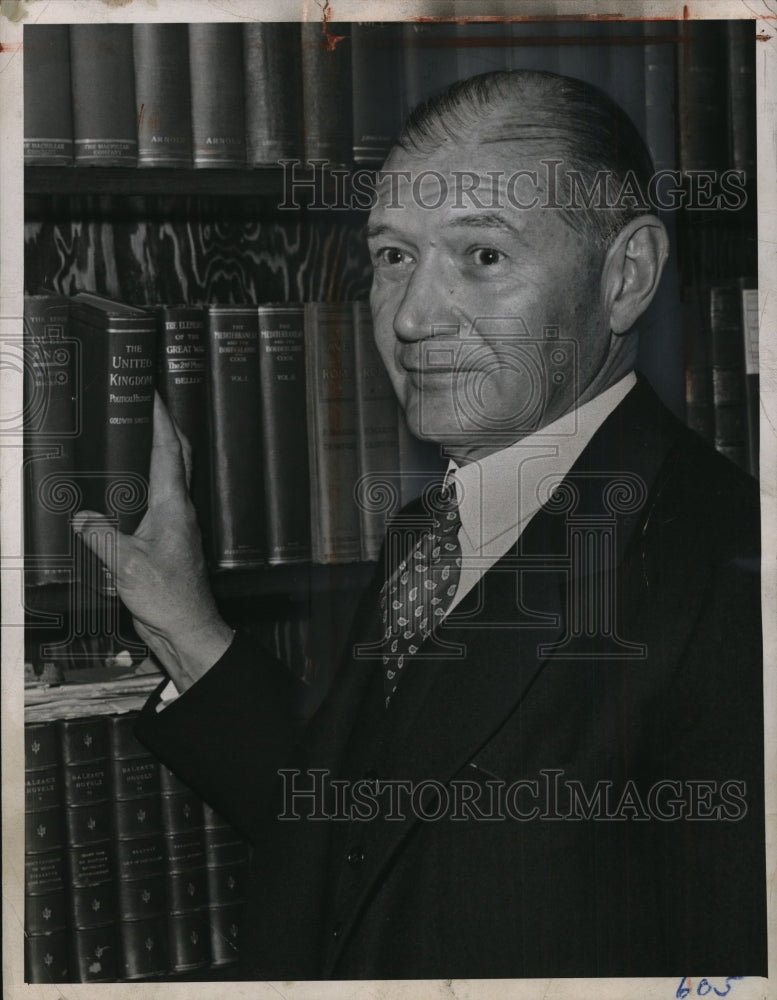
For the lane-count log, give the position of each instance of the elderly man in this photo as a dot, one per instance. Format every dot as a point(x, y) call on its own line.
point(542, 753)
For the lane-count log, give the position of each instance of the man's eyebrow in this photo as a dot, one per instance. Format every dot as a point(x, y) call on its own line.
point(379, 229)
point(486, 220)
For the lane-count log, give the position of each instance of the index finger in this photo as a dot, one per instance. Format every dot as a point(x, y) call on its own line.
point(167, 472)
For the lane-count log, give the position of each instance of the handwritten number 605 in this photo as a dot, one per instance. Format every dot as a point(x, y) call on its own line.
point(704, 987)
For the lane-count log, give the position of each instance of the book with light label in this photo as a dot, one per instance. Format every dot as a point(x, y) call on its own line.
point(273, 92)
point(239, 535)
point(51, 363)
point(162, 96)
point(216, 79)
point(48, 117)
point(285, 441)
point(103, 82)
point(183, 385)
point(113, 450)
point(332, 431)
point(46, 898)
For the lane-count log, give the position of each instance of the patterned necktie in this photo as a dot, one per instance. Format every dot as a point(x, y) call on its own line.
point(417, 596)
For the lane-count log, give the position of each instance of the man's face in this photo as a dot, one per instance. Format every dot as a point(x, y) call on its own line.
point(489, 320)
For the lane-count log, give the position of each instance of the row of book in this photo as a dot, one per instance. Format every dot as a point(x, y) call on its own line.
point(128, 874)
point(207, 95)
point(231, 95)
point(721, 372)
point(299, 447)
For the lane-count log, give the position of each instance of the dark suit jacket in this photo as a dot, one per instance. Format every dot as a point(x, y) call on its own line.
point(644, 715)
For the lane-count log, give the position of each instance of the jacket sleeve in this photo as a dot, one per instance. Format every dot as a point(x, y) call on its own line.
point(228, 734)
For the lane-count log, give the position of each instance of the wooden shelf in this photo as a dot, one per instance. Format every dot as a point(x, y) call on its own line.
point(283, 582)
point(261, 182)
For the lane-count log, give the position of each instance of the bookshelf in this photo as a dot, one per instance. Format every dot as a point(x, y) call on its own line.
point(148, 235)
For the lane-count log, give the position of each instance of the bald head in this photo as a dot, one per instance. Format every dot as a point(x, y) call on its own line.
point(546, 116)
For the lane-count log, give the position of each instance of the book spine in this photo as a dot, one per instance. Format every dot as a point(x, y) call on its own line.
point(50, 431)
point(378, 436)
point(377, 89)
point(113, 449)
point(236, 437)
point(103, 83)
point(216, 78)
point(326, 92)
point(186, 876)
point(273, 92)
point(139, 849)
point(46, 902)
point(227, 866)
point(702, 96)
point(740, 45)
point(728, 377)
point(48, 118)
point(660, 94)
point(431, 61)
point(91, 861)
point(752, 388)
point(162, 97)
point(331, 402)
point(182, 384)
point(286, 480)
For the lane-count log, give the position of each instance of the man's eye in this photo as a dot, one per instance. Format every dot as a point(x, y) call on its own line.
point(486, 256)
point(392, 256)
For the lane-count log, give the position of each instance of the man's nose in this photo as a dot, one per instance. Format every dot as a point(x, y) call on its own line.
point(426, 304)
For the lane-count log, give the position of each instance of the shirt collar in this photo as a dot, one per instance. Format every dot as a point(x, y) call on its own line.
point(501, 492)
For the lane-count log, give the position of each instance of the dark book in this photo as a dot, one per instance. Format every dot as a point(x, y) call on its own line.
point(186, 875)
point(51, 427)
point(378, 494)
point(430, 60)
point(46, 902)
point(326, 92)
point(273, 92)
point(227, 869)
point(750, 329)
point(286, 478)
point(218, 102)
point(702, 96)
point(113, 451)
point(660, 93)
point(48, 118)
point(139, 847)
point(378, 89)
point(239, 537)
point(91, 863)
point(727, 356)
point(699, 412)
point(332, 431)
point(183, 385)
point(740, 47)
point(103, 82)
point(162, 94)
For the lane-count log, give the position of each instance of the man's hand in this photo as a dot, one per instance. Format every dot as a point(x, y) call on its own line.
point(160, 570)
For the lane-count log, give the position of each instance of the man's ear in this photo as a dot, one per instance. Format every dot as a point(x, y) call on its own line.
point(632, 269)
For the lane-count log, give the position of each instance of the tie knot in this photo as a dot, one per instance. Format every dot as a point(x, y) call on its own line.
point(445, 509)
